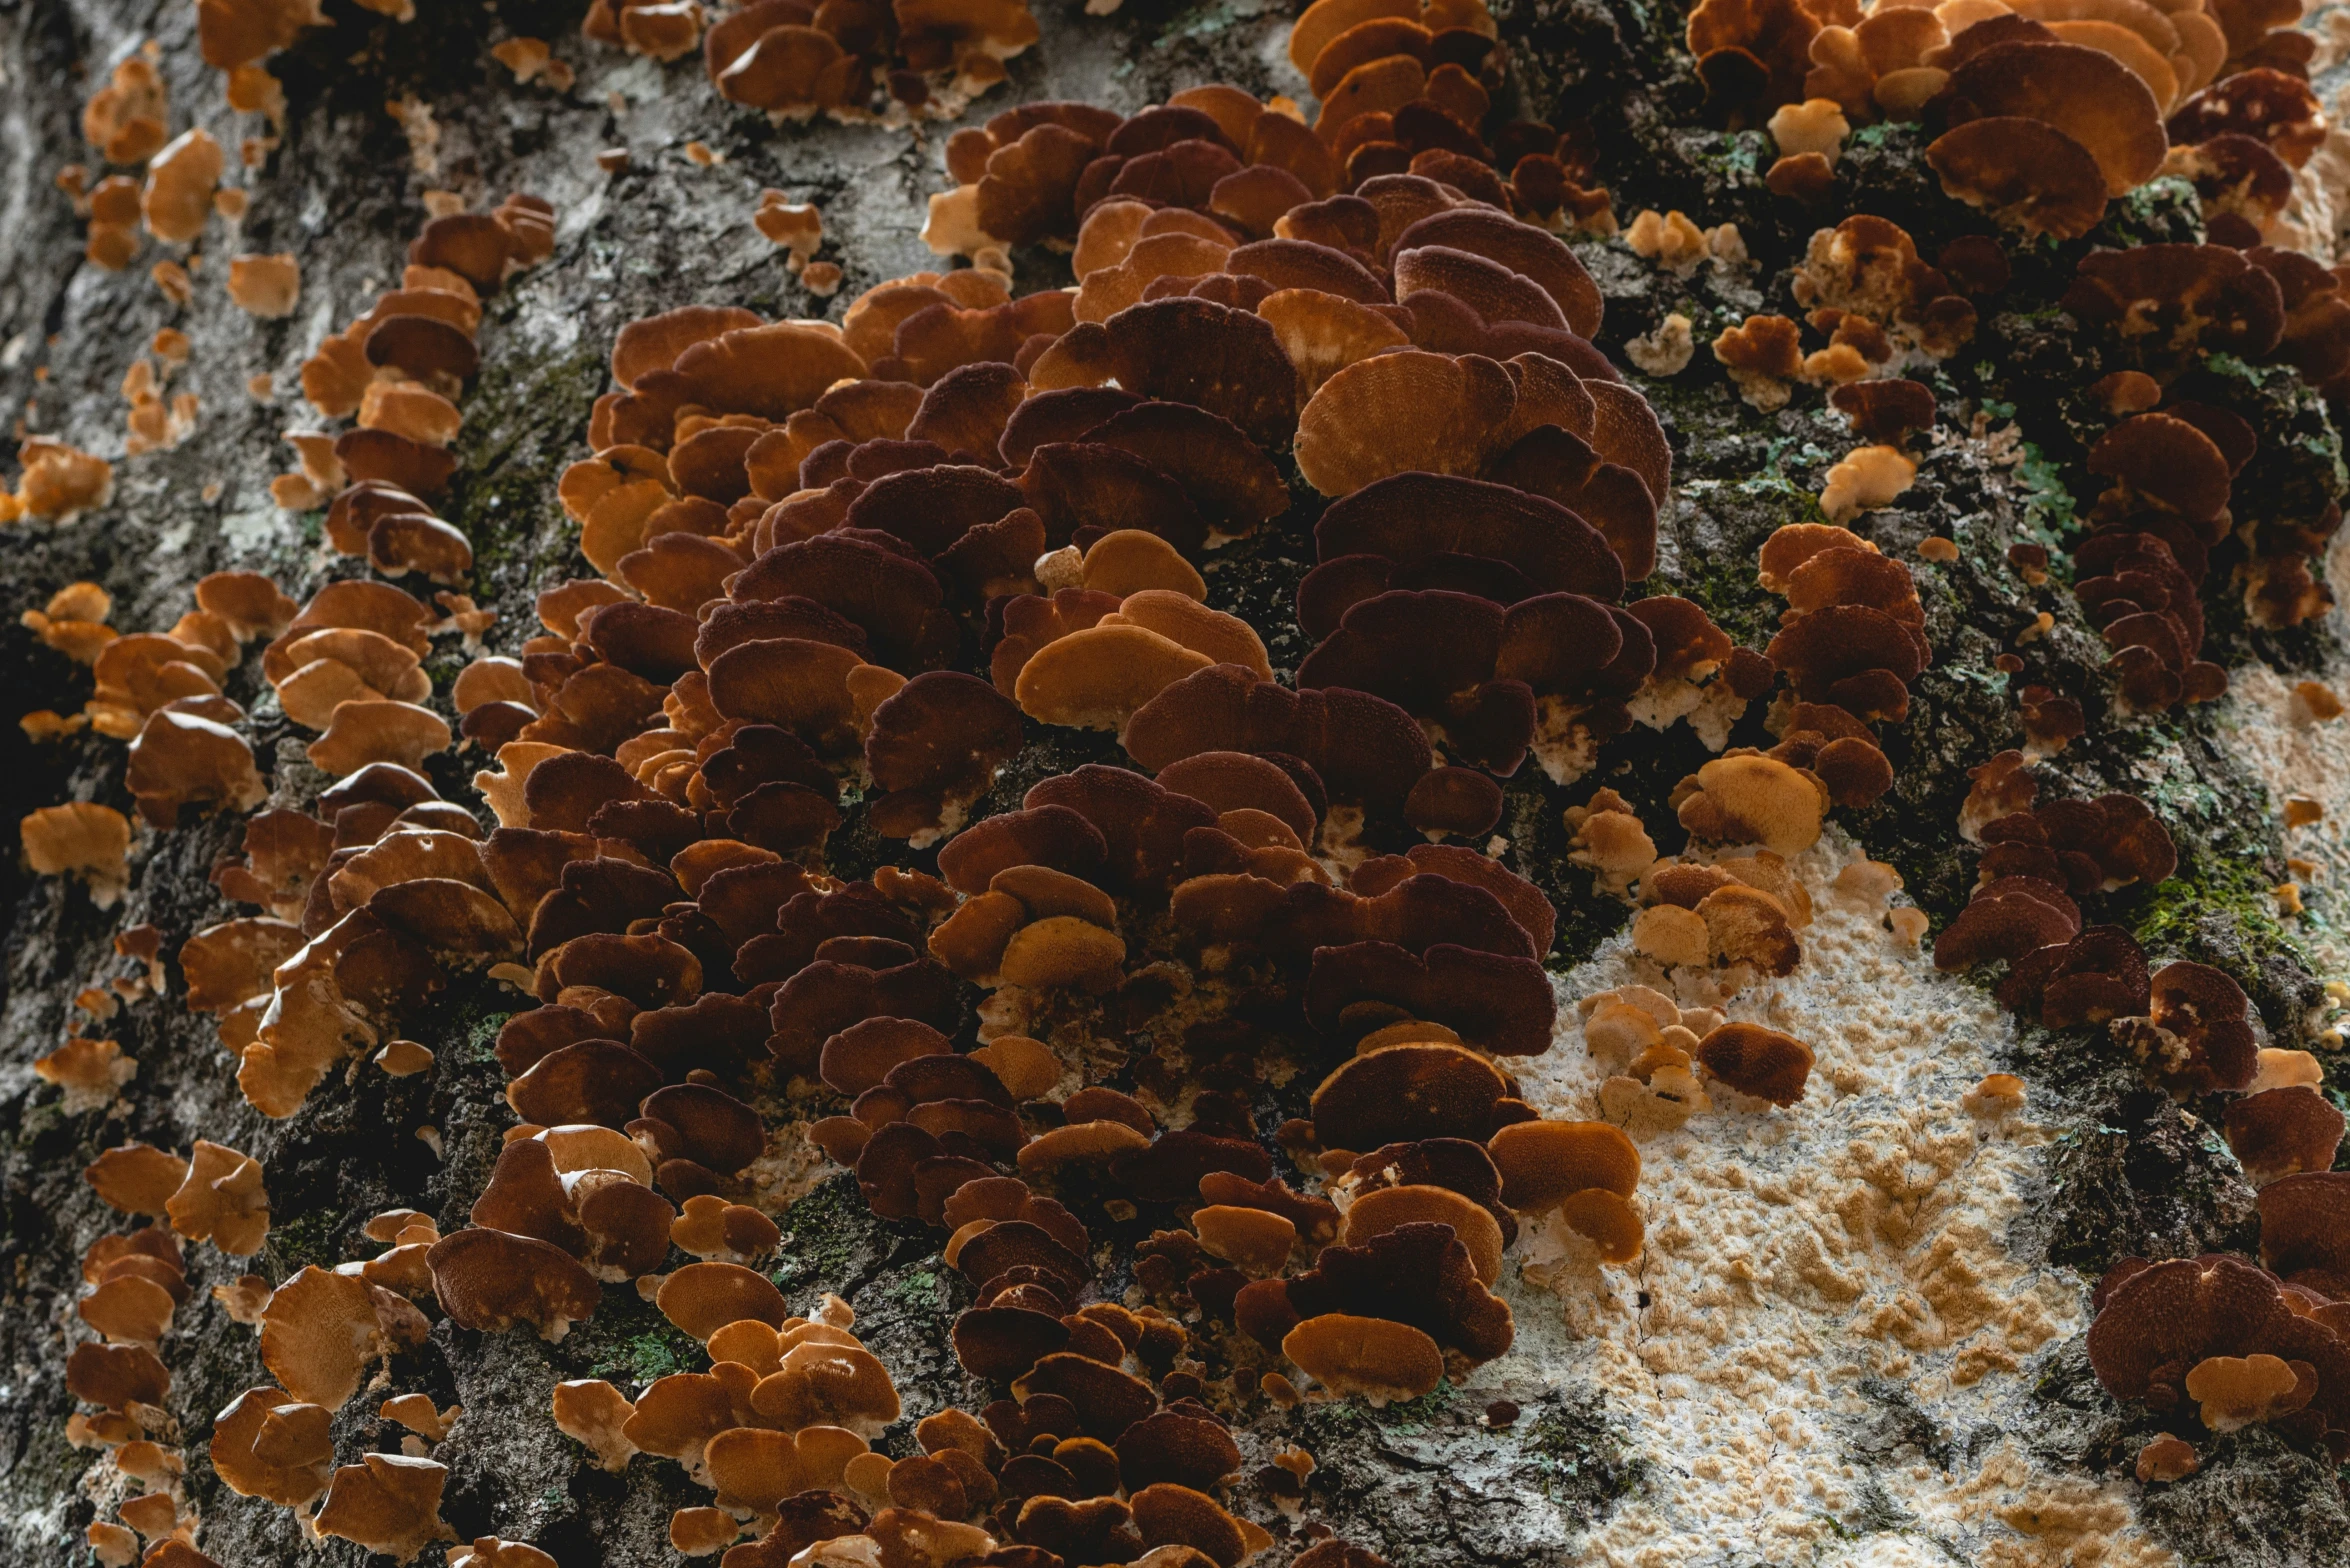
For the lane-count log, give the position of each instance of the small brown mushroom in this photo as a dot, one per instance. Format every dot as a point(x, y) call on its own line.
point(594, 1412)
point(388, 1503)
point(2237, 1391)
point(268, 1444)
point(265, 286)
point(1757, 1061)
point(2166, 1459)
point(83, 839)
point(318, 1335)
point(1374, 1357)
point(221, 1201)
point(490, 1280)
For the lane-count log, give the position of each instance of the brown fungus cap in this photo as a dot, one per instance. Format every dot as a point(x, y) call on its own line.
point(2158, 1322)
point(116, 1376)
point(221, 1201)
point(1753, 1060)
point(2236, 1391)
point(2302, 1231)
point(702, 1298)
point(1543, 1162)
point(2027, 174)
point(2097, 976)
point(1754, 799)
point(180, 759)
point(1106, 1400)
point(2197, 1032)
point(137, 1178)
point(490, 1280)
point(2167, 301)
point(2278, 1132)
point(1885, 410)
point(593, 1412)
point(268, 1444)
point(1380, 1359)
point(1407, 1091)
point(318, 1335)
point(389, 1503)
point(1496, 1001)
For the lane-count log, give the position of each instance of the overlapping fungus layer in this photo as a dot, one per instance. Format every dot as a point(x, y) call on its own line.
point(856, 61)
point(856, 568)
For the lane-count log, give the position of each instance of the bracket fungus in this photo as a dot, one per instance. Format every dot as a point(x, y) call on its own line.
point(853, 583)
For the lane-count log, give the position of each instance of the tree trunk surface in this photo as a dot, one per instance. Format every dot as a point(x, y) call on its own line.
point(1818, 1403)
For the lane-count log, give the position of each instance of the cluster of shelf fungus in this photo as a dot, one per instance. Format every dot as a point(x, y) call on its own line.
point(843, 572)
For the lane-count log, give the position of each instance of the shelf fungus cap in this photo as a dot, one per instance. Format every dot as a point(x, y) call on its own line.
point(487, 1551)
point(592, 1412)
point(1865, 479)
point(1607, 1220)
point(136, 1178)
point(1758, 1061)
point(714, 1230)
point(1255, 1241)
point(117, 1376)
point(1168, 1515)
point(1406, 1091)
point(268, 1444)
point(222, 1201)
point(1099, 677)
point(757, 1467)
point(491, 1280)
point(1544, 1162)
point(1373, 419)
point(2167, 1458)
point(1128, 560)
point(2281, 1131)
point(1382, 1209)
point(1755, 799)
point(389, 1503)
point(265, 286)
point(1374, 1357)
point(703, 1298)
point(181, 759)
point(1061, 950)
point(85, 839)
point(2238, 1391)
point(2084, 94)
point(2025, 173)
point(1079, 1143)
point(318, 1335)
point(821, 1384)
point(177, 197)
point(369, 730)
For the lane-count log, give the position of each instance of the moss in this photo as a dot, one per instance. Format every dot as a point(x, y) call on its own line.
point(511, 460)
point(1723, 581)
point(822, 1236)
point(37, 1121)
point(1735, 155)
point(917, 1289)
point(2207, 886)
point(1579, 1457)
point(628, 1340)
point(481, 1038)
point(2050, 515)
point(650, 1356)
point(2156, 212)
point(308, 1239)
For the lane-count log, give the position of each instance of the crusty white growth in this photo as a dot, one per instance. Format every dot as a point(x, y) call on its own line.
point(1794, 1254)
point(2312, 760)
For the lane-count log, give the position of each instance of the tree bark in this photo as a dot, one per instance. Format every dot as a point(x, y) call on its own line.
point(2124, 1170)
